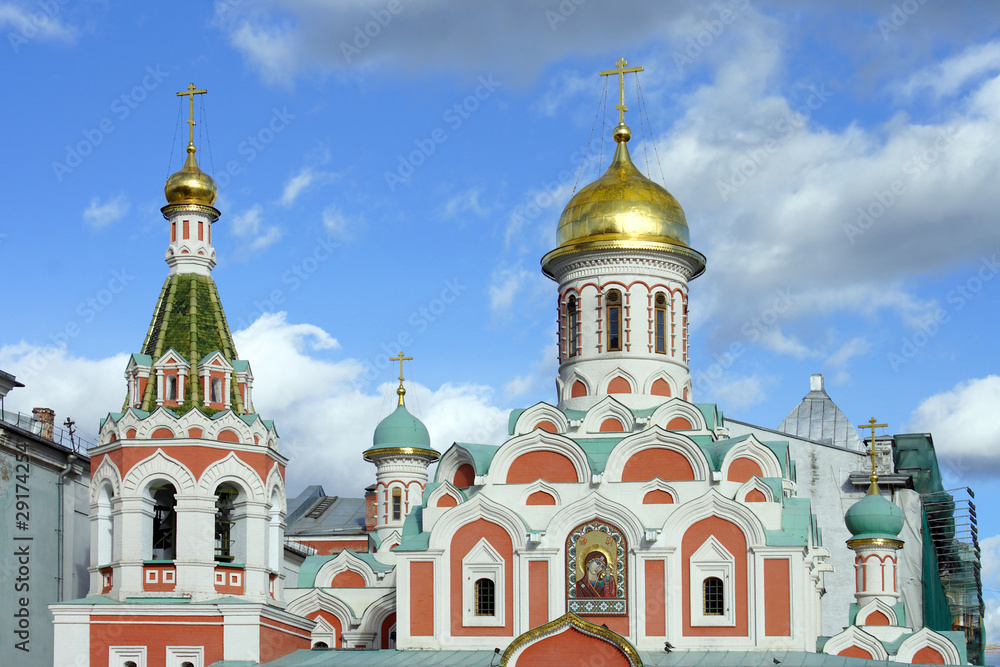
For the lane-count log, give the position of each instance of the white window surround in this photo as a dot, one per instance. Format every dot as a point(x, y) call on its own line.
point(178, 655)
point(482, 562)
point(712, 560)
point(119, 655)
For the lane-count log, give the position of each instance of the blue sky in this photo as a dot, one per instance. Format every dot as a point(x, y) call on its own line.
point(392, 172)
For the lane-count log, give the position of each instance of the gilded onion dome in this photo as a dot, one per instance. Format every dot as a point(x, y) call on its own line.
point(191, 185)
point(623, 210)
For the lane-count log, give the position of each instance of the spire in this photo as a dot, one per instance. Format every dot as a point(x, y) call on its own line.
point(191, 185)
point(402, 390)
point(873, 489)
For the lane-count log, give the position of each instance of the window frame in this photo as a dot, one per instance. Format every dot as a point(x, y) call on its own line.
point(483, 562)
point(712, 560)
point(613, 308)
point(660, 323)
point(396, 503)
point(572, 326)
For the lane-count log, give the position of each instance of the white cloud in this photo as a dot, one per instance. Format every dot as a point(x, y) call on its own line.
point(23, 22)
point(732, 391)
point(296, 185)
point(776, 341)
point(84, 389)
point(99, 215)
point(838, 360)
point(339, 225)
point(507, 285)
point(250, 225)
point(951, 74)
point(465, 202)
point(965, 425)
point(325, 418)
point(271, 49)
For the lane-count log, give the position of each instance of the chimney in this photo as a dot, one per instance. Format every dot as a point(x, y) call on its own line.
point(371, 508)
point(47, 418)
point(816, 382)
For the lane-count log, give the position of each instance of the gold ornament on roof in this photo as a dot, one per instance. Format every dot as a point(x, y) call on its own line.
point(191, 185)
point(401, 392)
point(623, 210)
point(873, 488)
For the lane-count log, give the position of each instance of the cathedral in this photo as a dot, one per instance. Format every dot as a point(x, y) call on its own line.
point(623, 523)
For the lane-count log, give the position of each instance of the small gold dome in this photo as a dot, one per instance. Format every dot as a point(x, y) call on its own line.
point(622, 209)
point(191, 185)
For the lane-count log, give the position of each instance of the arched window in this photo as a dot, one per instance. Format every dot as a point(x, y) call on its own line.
point(660, 323)
point(614, 321)
point(320, 646)
point(397, 504)
point(188, 663)
point(485, 597)
point(171, 387)
point(164, 520)
point(225, 522)
point(713, 597)
point(130, 663)
point(105, 526)
point(216, 395)
point(573, 325)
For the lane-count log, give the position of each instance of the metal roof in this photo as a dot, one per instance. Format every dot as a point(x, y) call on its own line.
point(818, 418)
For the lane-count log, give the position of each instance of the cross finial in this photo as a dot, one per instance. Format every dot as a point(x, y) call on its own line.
point(401, 391)
point(621, 70)
point(872, 424)
point(191, 92)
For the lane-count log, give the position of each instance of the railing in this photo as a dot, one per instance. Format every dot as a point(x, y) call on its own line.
point(60, 435)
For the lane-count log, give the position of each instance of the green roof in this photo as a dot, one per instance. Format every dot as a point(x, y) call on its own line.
point(482, 455)
point(189, 319)
point(598, 450)
point(401, 429)
point(796, 517)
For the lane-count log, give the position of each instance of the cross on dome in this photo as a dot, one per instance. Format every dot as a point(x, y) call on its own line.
point(401, 391)
point(621, 70)
point(873, 489)
point(191, 92)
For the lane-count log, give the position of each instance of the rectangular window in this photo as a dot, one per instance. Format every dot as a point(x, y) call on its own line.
point(187, 227)
point(574, 324)
point(173, 232)
point(661, 331)
point(614, 327)
point(397, 505)
point(201, 230)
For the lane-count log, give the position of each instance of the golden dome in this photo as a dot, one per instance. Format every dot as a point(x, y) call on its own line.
point(191, 185)
point(623, 209)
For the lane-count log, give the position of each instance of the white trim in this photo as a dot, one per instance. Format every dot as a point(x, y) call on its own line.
point(872, 607)
point(176, 655)
point(232, 469)
point(542, 411)
point(713, 504)
point(752, 449)
point(606, 408)
point(444, 488)
point(712, 559)
point(451, 461)
point(675, 406)
point(754, 484)
point(927, 638)
point(158, 465)
point(618, 372)
point(855, 636)
point(119, 655)
point(483, 562)
point(540, 485)
point(345, 561)
point(656, 438)
point(538, 441)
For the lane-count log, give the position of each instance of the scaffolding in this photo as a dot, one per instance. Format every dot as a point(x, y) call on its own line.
point(954, 534)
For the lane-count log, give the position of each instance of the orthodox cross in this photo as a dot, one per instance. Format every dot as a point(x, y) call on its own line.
point(873, 489)
point(191, 92)
point(401, 391)
point(621, 70)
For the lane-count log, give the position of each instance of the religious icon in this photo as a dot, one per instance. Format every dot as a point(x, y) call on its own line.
point(596, 560)
point(596, 581)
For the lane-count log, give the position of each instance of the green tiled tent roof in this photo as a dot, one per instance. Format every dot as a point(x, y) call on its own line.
point(189, 318)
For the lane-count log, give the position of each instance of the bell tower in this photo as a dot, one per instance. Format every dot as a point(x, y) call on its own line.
point(623, 263)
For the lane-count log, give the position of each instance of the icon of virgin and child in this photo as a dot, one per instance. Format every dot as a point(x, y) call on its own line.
point(597, 579)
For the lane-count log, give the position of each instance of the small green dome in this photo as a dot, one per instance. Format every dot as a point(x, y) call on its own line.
point(874, 517)
point(401, 429)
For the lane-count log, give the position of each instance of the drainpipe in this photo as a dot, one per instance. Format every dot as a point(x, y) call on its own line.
point(60, 521)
